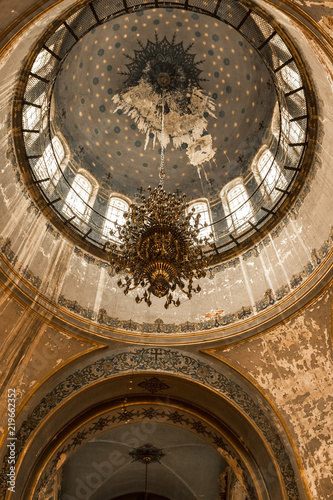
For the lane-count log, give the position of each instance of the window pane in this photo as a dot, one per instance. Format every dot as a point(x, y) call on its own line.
point(47, 165)
point(296, 133)
point(291, 77)
point(239, 205)
point(41, 60)
point(58, 149)
point(115, 213)
point(270, 174)
point(202, 208)
point(78, 198)
point(291, 130)
point(31, 115)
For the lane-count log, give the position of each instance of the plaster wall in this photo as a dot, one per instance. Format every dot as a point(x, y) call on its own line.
point(292, 364)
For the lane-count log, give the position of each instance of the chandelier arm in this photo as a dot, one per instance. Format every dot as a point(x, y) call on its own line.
point(127, 286)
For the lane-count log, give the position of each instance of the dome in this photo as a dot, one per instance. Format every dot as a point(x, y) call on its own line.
point(235, 119)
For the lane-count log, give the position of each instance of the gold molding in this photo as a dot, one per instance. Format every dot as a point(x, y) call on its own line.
point(194, 337)
point(150, 339)
point(270, 329)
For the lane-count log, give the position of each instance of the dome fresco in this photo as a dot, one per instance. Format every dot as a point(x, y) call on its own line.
point(233, 136)
point(236, 79)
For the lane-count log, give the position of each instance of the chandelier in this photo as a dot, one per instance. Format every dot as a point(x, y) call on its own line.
point(160, 248)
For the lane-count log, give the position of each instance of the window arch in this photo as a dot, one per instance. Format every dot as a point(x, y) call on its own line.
point(32, 114)
point(202, 208)
point(291, 77)
point(42, 59)
point(269, 174)
point(115, 214)
point(78, 198)
point(236, 205)
point(47, 166)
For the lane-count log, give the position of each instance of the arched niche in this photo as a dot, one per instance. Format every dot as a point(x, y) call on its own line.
point(165, 387)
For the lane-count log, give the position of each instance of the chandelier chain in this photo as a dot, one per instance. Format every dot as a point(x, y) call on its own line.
point(162, 168)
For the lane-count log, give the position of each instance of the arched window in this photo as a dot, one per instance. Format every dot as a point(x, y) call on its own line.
point(47, 166)
point(296, 133)
point(236, 205)
point(115, 214)
point(58, 149)
point(269, 174)
point(201, 207)
point(78, 197)
point(41, 60)
point(31, 115)
point(291, 77)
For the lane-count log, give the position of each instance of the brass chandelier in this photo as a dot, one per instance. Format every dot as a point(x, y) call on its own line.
point(160, 246)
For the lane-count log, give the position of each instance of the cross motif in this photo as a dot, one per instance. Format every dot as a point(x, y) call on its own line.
point(156, 353)
point(108, 178)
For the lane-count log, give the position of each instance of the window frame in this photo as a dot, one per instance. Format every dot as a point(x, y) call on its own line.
point(234, 223)
point(110, 224)
point(68, 211)
point(47, 165)
point(264, 173)
point(209, 220)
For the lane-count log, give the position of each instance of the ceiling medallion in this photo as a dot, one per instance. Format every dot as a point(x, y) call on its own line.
point(146, 454)
point(164, 74)
point(153, 385)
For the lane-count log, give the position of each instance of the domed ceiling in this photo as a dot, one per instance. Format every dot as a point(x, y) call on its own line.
point(109, 145)
point(207, 92)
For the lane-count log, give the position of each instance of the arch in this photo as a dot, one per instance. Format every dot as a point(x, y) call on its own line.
point(117, 206)
point(230, 399)
point(201, 207)
point(236, 205)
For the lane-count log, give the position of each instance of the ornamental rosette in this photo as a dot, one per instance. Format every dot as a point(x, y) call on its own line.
point(163, 79)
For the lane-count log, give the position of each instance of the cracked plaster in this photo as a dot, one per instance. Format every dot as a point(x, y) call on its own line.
point(293, 364)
